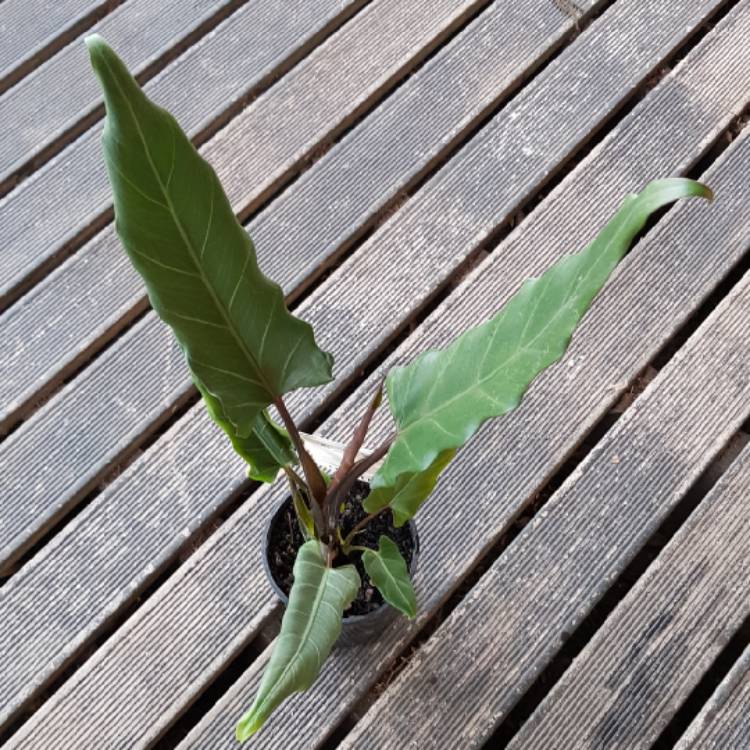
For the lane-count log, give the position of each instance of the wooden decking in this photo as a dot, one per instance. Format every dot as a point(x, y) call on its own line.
point(402, 166)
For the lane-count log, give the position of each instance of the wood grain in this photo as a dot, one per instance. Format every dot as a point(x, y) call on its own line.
point(48, 218)
point(522, 450)
point(419, 138)
point(477, 664)
point(63, 90)
point(28, 28)
point(724, 722)
point(96, 447)
point(643, 663)
point(194, 603)
point(96, 291)
point(440, 226)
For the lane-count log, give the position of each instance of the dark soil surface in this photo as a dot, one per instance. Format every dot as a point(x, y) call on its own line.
point(285, 539)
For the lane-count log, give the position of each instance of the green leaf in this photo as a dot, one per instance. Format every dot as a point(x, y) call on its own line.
point(441, 398)
point(409, 490)
point(388, 571)
point(266, 449)
point(311, 625)
point(198, 263)
point(304, 517)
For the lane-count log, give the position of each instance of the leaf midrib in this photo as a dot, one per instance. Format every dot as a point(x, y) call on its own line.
point(183, 234)
point(384, 562)
point(429, 416)
point(322, 584)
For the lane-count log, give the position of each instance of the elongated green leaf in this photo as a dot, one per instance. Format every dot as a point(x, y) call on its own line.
point(198, 263)
point(441, 398)
point(387, 570)
point(311, 625)
point(266, 449)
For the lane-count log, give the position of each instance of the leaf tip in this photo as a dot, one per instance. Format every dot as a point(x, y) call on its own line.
point(706, 192)
point(96, 46)
point(246, 727)
point(99, 54)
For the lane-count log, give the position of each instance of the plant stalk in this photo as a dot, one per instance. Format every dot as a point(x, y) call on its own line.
point(314, 479)
point(356, 471)
point(358, 438)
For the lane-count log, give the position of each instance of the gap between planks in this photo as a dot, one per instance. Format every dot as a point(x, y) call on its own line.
point(62, 99)
point(44, 41)
point(573, 643)
point(254, 75)
point(118, 300)
point(537, 593)
point(323, 702)
point(641, 665)
point(62, 228)
point(171, 382)
point(47, 345)
point(724, 721)
point(157, 368)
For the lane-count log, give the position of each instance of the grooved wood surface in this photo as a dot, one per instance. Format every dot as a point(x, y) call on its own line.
point(524, 447)
point(331, 171)
point(486, 653)
point(149, 586)
point(724, 721)
point(195, 627)
point(346, 72)
point(63, 89)
point(297, 233)
point(440, 226)
point(27, 26)
point(104, 426)
point(657, 644)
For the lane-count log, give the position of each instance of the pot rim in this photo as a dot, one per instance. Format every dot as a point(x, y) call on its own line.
point(346, 620)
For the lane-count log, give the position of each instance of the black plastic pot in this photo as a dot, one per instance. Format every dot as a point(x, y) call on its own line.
point(357, 628)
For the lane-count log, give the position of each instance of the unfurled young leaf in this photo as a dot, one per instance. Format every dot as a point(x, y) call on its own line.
point(311, 625)
point(388, 572)
point(441, 398)
point(198, 263)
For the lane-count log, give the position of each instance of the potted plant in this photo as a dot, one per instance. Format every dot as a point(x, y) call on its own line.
point(342, 549)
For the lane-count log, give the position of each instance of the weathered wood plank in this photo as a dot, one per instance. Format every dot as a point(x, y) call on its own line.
point(63, 90)
point(342, 678)
point(96, 290)
point(355, 65)
point(336, 177)
point(191, 650)
point(350, 199)
point(440, 225)
point(521, 450)
point(27, 28)
point(724, 722)
point(72, 411)
point(652, 651)
point(477, 664)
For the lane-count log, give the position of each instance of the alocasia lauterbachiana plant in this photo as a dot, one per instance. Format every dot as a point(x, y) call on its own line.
point(246, 351)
